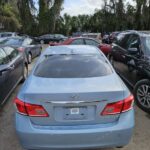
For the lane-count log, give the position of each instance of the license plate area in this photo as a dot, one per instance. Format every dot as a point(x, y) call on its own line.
point(75, 113)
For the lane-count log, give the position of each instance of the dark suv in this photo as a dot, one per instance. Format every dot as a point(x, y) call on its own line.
point(131, 52)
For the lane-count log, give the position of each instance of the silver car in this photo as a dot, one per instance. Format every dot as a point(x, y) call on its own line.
point(74, 99)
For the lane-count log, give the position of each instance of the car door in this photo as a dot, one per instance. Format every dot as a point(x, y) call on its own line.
point(134, 59)
point(119, 48)
point(16, 64)
point(4, 76)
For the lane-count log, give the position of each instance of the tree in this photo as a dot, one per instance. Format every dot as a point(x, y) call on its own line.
point(8, 17)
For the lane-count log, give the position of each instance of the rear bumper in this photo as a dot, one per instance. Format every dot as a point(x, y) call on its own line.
point(93, 136)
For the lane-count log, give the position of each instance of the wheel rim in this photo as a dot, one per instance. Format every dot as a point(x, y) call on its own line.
point(30, 58)
point(143, 95)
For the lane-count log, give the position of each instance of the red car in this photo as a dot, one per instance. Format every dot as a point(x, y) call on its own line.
point(105, 48)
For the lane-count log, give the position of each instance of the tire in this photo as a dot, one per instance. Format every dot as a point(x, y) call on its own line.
point(142, 94)
point(25, 73)
point(40, 51)
point(29, 58)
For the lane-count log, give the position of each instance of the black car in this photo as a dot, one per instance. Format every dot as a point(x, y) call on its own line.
point(45, 39)
point(27, 45)
point(12, 70)
point(131, 52)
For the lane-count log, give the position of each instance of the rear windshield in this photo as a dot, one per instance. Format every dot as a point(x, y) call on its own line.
point(73, 66)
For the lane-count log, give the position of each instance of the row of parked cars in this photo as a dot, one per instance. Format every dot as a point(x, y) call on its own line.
point(131, 49)
point(16, 52)
point(73, 97)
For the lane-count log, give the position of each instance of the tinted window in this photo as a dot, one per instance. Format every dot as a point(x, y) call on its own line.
point(34, 42)
point(46, 36)
point(11, 52)
point(146, 43)
point(6, 35)
point(77, 42)
point(73, 66)
point(3, 57)
point(91, 42)
point(133, 42)
point(12, 41)
point(119, 39)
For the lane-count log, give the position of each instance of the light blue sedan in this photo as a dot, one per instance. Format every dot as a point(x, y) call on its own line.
point(73, 99)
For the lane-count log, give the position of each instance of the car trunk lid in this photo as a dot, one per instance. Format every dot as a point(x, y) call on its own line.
point(74, 101)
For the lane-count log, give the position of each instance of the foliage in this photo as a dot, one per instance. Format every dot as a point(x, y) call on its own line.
point(9, 18)
point(24, 16)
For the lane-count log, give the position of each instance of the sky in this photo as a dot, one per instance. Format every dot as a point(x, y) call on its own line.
point(76, 7)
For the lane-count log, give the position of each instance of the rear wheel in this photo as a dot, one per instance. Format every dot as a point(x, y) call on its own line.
point(142, 95)
point(25, 73)
point(29, 58)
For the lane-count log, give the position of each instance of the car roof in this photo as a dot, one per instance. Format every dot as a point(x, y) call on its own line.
point(71, 49)
point(17, 37)
point(140, 33)
point(74, 38)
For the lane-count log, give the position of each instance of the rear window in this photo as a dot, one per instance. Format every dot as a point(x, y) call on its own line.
point(73, 66)
point(12, 42)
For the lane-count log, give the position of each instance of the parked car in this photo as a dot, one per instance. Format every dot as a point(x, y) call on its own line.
point(13, 69)
point(133, 50)
point(45, 39)
point(4, 35)
point(105, 48)
point(8, 34)
point(25, 44)
point(113, 36)
point(106, 39)
point(74, 99)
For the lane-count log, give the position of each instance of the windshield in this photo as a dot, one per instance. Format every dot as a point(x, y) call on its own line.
point(73, 66)
point(17, 42)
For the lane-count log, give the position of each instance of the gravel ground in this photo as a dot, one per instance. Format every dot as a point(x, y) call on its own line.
point(9, 141)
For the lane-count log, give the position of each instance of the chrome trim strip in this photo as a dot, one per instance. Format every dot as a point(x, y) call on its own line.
point(71, 102)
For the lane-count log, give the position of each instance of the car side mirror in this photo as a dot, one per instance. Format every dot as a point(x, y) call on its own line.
point(133, 51)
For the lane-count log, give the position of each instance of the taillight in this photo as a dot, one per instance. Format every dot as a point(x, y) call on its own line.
point(31, 110)
point(119, 107)
point(128, 103)
point(20, 106)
